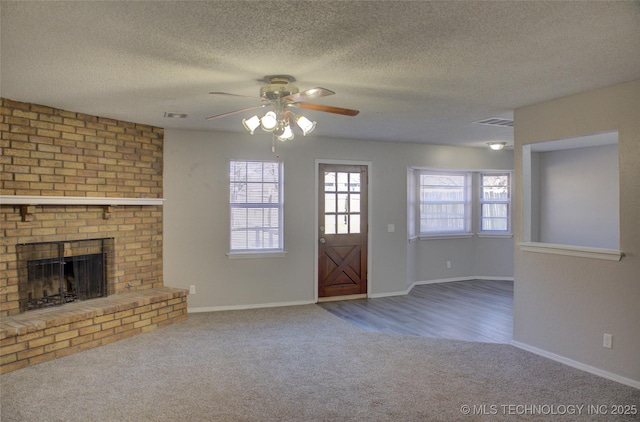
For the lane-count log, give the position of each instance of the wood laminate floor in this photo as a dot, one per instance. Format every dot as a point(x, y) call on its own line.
point(475, 310)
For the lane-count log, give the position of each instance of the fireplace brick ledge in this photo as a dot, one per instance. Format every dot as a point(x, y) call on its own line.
point(44, 334)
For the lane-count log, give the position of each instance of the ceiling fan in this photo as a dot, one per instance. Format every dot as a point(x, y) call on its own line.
point(282, 96)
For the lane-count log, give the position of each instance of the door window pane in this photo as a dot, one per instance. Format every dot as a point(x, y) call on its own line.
point(354, 226)
point(354, 182)
point(342, 202)
point(343, 182)
point(354, 202)
point(330, 224)
point(343, 223)
point(329, 202)
point(329, 182)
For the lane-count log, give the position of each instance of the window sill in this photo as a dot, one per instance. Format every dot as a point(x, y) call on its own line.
point(495, 235)
point(579, 251)
point(445, 236)
point(250, 255)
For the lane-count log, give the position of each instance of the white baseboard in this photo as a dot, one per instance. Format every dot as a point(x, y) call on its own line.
point(448, 280)
point(488, 277)
point(440, 280)
point(389, 294)
point(578, 365)
point(250, 306)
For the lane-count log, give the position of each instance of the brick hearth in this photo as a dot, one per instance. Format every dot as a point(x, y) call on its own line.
point(44, 334)
point(53, 153)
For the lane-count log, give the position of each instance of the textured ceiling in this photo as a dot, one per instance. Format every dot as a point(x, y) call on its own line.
point(418, 71)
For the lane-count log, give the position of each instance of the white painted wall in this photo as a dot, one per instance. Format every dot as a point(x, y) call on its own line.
point(196, 214)
point(494, 257)
point(563, 305)
point(579, 197)
point(470, 257)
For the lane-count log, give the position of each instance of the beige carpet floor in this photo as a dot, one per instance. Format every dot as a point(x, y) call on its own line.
point(302, 363)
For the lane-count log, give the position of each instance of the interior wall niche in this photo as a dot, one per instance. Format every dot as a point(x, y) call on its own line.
point(571, 196)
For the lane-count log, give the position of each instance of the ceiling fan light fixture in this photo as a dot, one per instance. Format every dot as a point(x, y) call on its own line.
point(282, 95)
point(287, 134)
point(496, 146)
point(269, 122)
point(305, 125)
point(251, 124)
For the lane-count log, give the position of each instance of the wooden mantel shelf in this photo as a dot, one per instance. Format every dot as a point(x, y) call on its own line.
point(76, 200)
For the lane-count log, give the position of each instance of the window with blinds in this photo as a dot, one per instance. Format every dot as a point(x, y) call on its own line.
point(256, 205)
point(445, 203)
point(495, 199)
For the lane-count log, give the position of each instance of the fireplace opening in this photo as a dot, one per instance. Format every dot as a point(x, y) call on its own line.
point(55, 282)
point(55, 273)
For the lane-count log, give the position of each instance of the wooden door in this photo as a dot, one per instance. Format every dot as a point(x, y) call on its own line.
point(342, 231)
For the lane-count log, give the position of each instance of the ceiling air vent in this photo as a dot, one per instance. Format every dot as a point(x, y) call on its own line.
point(494, 121)
point(171, 115)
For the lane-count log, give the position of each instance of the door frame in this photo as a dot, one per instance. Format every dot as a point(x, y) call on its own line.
point(316, 236)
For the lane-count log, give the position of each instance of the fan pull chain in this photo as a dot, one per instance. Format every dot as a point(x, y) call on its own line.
point(273, 145)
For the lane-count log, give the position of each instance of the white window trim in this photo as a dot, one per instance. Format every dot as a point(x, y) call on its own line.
point(445, 236)
point(495, 233)
point(413, 193)
point(260, 253)
point(468, 190)
point(253, 255)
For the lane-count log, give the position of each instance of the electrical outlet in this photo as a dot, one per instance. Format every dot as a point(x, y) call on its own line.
point(448, 264)
point(607, 341)
point(192, 289)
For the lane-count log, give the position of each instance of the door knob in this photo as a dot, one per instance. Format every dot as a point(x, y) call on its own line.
point(322, 240)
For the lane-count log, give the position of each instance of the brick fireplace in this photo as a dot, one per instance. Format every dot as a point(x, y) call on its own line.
point(56, 273)
point(68, 177)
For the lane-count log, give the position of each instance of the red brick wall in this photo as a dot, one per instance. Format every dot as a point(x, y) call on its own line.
point(50, 152)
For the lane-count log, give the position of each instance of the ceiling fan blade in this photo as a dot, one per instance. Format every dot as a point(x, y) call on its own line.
point(217, 116)
point(234, 95)
point(326, 108)
point(309, 94)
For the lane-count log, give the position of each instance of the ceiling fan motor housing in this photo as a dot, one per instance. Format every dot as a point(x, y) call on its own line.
point(279, 86)
point(276, 91)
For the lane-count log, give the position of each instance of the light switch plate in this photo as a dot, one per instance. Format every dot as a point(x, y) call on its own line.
point(607, 341)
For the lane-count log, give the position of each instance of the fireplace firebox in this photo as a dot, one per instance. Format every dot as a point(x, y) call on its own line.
point(55, 273)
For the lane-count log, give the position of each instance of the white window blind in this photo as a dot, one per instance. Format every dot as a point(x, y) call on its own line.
point(445, 203)
point(256, 204)
point(495, 199)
